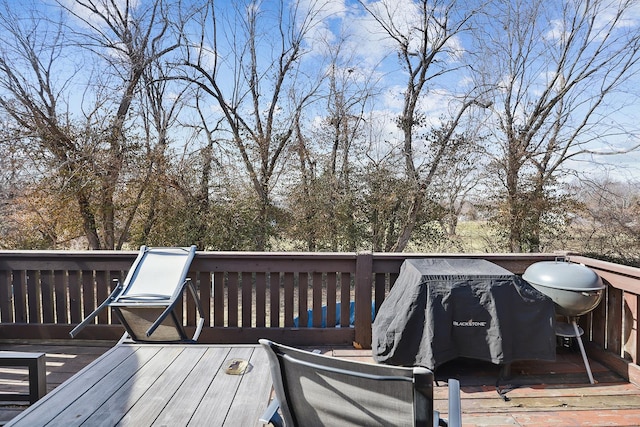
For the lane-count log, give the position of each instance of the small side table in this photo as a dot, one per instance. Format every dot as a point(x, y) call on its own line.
point(36, 363)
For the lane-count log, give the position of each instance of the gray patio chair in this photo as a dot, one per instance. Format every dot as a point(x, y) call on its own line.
point(317, 390)
point(147, 300)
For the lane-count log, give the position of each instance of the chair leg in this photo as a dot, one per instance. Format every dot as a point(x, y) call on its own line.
point(455, 410)
point(271, 415)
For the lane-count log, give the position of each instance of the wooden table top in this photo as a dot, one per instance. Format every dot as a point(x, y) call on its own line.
point(153, 384)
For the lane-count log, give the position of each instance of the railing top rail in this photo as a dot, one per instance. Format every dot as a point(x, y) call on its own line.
point(383, 262)
point(596, 264)
point(229, 254)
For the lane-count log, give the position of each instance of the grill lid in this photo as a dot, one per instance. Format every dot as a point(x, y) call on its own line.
point(563, 275)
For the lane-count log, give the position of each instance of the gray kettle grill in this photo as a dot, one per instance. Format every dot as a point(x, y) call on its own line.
point(575, 290)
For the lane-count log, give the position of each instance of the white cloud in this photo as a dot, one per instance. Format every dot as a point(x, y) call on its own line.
point(84, 16)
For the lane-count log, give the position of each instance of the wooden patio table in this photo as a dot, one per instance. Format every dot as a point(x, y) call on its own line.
point(160, 384)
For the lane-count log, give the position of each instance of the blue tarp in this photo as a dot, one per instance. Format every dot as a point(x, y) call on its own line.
point(352, 316)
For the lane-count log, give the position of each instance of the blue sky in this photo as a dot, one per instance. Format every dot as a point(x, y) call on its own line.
point(370, 56)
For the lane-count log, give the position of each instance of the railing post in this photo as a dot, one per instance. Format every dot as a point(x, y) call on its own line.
point(363, 283)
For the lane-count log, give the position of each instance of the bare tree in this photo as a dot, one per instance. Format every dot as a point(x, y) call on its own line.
point(35, 96)
point(555, 70)
point(458, 179)
point(45, 68)
point(250, 64)
point(328, 170)
point(607, 224)
point(161, 103)
point(426, 51)
point(128, 39)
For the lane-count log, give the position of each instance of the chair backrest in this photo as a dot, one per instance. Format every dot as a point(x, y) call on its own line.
point(157, 273)
point(315, 390)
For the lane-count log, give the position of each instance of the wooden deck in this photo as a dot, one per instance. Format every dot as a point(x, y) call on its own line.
point(64, 359)
point(538, 393)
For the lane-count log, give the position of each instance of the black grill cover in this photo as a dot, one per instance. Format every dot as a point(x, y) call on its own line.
point(440, 309)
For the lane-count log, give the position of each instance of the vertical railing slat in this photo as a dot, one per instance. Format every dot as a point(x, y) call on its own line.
point(102, 293)
point(261, 299)
point(288, 299)
point(345, 299)
point(75, 297)
point(380, 290)
point(614, 321)
point(247, 300)
point(46, 286)
point(232, 300)
point(88, 293)
point(60, 294)
point(218, 299)
point(274, 300)
point(116, 277)
point(19, 296)
point(331, 287)
point(317, 296)
point(205, 296)
point(303, 300)
point(599, 323)
point(33, 296)
point(6, 297)
point(392, 280)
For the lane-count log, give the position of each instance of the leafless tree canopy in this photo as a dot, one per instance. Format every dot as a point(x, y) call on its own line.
point(316, 125)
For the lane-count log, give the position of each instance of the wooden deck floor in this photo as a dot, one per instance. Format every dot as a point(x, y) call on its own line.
point(538, 393)
point(64, 359)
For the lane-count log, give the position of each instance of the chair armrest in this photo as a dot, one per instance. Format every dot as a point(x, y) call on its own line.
point(271, 416)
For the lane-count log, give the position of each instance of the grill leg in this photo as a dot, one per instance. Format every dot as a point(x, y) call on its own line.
point(584, 354)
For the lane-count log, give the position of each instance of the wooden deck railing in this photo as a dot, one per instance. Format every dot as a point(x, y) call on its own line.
point(247, 296)
point(612, 328)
